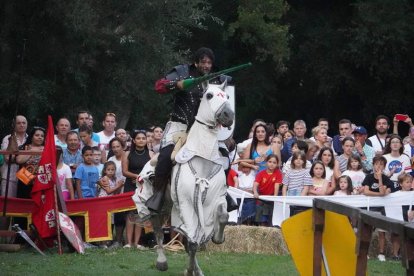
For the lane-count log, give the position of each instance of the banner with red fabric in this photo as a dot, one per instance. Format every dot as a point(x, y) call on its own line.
point(44, 217)
point(96, 211)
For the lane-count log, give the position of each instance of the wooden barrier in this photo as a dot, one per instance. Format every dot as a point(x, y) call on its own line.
point(366, 223)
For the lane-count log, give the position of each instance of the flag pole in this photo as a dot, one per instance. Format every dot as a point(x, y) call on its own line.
point(57, 222)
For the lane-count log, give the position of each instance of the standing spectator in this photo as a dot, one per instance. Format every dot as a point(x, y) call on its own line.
point(64, 175)
point(117, 148)
point(109, 184)
point(324, 123)
point(35, 142)
point(299, 128)
point(382, 124)
point(156, 142)
point(242, 146)
point(260, 147)
point(132, 164)
point(84, 117)
point(345, 130)
point(289, 134)
point(354, 171)
point(297, 146)
point(109, 124)
point(320, 137)
point(320, 184)
point(72, 155)
point(62, 128)
point(122, 135)
point(19, 137)
point(282, 127)
point(397, 161)
point(267, 182)
point(297, 180)
point(326, 155)
point(150, 137)
point(344, 186)
point(409, 148)
point(97, 160)
point(348, 145)
point(378, 184)
point(85, 134)
point(86, 175)
point(245, 180)
point(365, 152)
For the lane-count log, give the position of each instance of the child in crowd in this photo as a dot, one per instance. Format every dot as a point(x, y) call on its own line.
point(86, 175)
point(355, 172)
point(267, 182)
point(232, 178)
point(404, 182)
point(320, 184)
point(97, 156)
point(85, 134)
point(245, 180)
point(287, 135)
point(378, 184)
point(109, 184)
point(64, 175)
point(297, 180)
point(344, 186)
point(297, 146)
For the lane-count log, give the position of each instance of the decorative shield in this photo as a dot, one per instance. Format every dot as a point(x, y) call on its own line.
point(225, 133)
point(71, 232)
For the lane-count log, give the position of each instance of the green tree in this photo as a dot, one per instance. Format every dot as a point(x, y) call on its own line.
point(96, 55)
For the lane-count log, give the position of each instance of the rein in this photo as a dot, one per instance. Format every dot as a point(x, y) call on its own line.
point(210, 127)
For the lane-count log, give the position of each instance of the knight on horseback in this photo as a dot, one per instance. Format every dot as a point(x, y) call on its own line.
point(185, 106)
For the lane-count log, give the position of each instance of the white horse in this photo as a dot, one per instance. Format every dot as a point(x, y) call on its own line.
point(198, 183)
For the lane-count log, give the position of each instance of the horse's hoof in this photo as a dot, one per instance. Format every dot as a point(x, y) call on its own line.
point(218, 241)
point(162, 266)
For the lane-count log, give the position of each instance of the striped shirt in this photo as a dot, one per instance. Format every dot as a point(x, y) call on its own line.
point(297, 179)
point(343, 162)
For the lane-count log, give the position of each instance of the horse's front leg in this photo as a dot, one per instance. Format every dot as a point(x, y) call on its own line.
point(222, 217)
point(193, 268)
point(162, 263)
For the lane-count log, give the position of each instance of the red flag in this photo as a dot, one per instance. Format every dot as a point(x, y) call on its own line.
point(44, 217)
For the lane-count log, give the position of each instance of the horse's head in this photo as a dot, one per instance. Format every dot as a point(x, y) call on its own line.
point(215, 108)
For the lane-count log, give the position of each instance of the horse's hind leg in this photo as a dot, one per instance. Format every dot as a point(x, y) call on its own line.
point(193, 268)
point(162, 263)
point(222, 217)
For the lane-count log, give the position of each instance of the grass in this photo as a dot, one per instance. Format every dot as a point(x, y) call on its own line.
point(134, 262)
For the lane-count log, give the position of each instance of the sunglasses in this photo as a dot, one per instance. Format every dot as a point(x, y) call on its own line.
point(139, 131)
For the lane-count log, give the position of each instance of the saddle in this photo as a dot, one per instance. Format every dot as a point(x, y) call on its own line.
point(179, 141)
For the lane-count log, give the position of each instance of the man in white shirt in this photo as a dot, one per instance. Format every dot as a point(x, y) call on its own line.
point(109, 124)
point(62, 128)
point(377, 141)
point(20, 136)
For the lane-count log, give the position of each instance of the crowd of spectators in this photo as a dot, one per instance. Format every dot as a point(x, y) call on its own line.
point(349, 163)
point(275, 159)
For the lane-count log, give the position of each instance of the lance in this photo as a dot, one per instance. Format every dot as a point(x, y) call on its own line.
point(192, 82)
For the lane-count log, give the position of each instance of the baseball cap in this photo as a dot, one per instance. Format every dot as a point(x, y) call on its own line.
point(360, 130)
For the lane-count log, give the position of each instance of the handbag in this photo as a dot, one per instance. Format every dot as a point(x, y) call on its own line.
point(26, 174)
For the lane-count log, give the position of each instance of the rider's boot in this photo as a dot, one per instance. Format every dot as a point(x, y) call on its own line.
point(156, 201)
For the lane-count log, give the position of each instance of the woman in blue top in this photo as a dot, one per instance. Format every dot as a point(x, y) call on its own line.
point(260, 147)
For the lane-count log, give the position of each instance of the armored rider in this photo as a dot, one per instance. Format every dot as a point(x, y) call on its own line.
point(185, 107)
